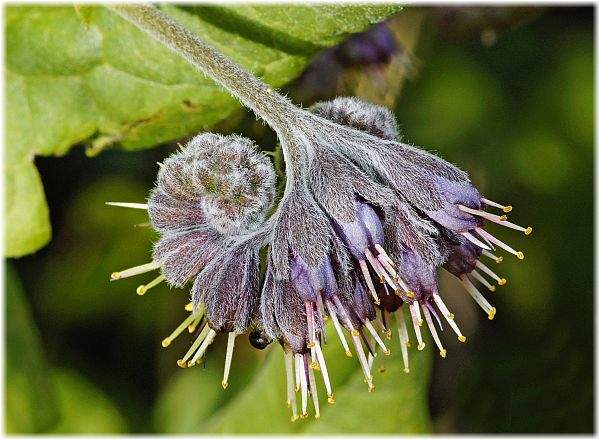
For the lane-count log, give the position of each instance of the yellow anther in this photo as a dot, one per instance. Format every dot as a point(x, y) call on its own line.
point(407, 370)
point(294, 418)
point(141, 290)
point(443, 353)
point(115, 275)
point(451, 316)
point(528, 231)
point(499, 260)
point(382, 279)
point(502, 282)
point(349, 354)
point(408, 344)
point(325, 318)
point(304, 416)
point(420, 322)
point(192, 327)
point(410, 294)
point(492, 313)
point(181, 363)
point(288, 403)
point(354, 332)
point(311, 344)
point(189, 307)
point(377, 302)
point(166, 342)
point(190, 364)
point(503, 218)
point(507, 208)
point(388, 335)
point(317, 416)
point(387, 352)
point(381, 369)
point(371, 388)
point(330, 399)
point(224, 385)
point(296, 389)
point(462, 338)
point(492, 288)
point(395, 279)
point(313, 365)
point(421, 346)
point(520, 255)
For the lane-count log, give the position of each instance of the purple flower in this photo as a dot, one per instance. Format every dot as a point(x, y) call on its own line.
point(362, 228)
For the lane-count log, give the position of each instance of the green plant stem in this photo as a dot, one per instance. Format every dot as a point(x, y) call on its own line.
point(265, 102)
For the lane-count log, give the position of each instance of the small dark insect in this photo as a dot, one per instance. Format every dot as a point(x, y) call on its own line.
point(258, 339)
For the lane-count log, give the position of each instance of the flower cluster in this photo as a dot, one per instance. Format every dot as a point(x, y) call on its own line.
point(363, 225)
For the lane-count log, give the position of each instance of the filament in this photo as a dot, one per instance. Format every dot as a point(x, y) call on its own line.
point(478, 297)
point(483, 281)
point(143, 268)
point(449, 317)
point(503, 245)
point(475, 241)
point(129, 205)
point(228, 356)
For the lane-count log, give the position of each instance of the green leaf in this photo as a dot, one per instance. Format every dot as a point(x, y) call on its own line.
point(30, 395)
point(79, 75)
point(85, 409)
point(398, 405)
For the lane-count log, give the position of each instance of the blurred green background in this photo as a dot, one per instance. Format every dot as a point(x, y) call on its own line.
point(505, 93)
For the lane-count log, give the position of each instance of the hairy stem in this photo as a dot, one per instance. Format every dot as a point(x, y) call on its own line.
point(265, 102)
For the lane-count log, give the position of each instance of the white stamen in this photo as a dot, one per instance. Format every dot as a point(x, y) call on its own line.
point(303, 384)
point(362, 359)
point(210, 337)
point(141, 290)
point(338, 328)
point(129, 205)
point(433, 331)
point(291, 395)
point(298, 360)
point(497, 205)
point(492, 256)
point(379, 270)
point(403, 335)
point(482, 280)
point(449, 317)
point(376, 336)
point(418, 315)
point(382, 252)
point(184, 361)
point(416, 325)
point(368, 280)
point(492, 217)
point(478, 297)
point(323, 367)
point(313, 390)
point(310, 320)
point(370, 359)
point(387, 266)
point(483, 267)
point(503, 245)
point(228, 356)
point(506, 223)
point(187, 321)
point(143, 268)
point(475, 241)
